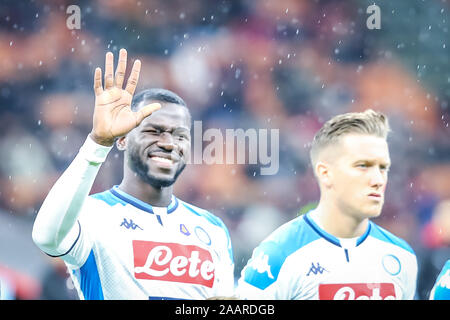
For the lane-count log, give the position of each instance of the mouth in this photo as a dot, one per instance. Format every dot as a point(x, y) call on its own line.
point(162, 160)
point(375, 196)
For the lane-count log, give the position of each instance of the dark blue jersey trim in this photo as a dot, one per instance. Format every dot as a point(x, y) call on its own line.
point(365, 235)
point(76, 240)
point(332, 238)
point(321, 232)
point(141, 204)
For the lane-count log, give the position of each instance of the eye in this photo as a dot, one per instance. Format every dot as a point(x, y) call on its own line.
point(182, 137)
point(362, 165)
point(153, 131)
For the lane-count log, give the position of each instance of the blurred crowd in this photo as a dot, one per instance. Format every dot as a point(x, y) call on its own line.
point(285, 64)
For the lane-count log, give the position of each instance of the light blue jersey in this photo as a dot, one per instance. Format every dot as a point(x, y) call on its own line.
point(127, 249)
point(119, 247)
point(441, 289)
point(302, 261)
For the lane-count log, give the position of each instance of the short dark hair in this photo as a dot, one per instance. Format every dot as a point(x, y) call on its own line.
point(157, 94)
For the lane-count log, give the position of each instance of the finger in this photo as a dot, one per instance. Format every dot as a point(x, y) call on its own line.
point(98, 89)
point(145, 111)
point(134, 77)
point(121, 68)
point(109, 67)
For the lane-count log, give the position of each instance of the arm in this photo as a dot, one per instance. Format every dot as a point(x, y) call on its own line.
point(226, 288)
point(260, 277)
point(56, 229)
point(441, 289)
point(411, 279)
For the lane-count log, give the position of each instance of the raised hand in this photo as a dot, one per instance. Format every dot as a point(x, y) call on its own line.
point(113, 116)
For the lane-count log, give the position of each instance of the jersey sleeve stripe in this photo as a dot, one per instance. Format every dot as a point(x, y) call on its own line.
point(89, 279)
point(322, 233)
point(70, 249)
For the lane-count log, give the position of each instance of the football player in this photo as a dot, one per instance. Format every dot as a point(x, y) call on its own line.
point(335, 251)
point(136, 240)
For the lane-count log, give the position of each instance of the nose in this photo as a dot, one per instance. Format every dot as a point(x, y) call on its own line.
point(166, 141)
point(377, 178)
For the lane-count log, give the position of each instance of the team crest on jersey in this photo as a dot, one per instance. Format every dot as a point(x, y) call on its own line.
point(173, 262)
point(391, 264)
point(202, 235)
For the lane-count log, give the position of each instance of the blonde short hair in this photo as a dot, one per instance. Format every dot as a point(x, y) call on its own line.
point(367, 122)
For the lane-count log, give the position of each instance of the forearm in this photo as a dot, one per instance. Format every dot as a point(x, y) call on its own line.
point(57, 218)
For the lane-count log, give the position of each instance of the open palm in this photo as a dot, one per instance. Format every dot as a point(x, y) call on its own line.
point(113, 116)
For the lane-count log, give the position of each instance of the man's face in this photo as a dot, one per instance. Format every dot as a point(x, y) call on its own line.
point(359, 174)
point(158, 148)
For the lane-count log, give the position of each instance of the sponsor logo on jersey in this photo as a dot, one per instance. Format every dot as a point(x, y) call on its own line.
point(173, 262)
point(357, 291)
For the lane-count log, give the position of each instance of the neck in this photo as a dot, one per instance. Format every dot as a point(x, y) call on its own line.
point(338, 223)
point(155, 196)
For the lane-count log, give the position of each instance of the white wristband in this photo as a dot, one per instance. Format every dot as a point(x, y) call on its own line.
point(94, 152)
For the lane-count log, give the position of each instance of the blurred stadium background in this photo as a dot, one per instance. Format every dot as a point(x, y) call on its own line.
point(284, 64)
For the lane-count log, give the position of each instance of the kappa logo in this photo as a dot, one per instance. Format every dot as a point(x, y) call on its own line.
point(316, 269)
point(444, 281)
point(129, 224)
point(261, 264)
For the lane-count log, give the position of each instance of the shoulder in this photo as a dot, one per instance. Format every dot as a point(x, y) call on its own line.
point(265, 264)
point(107, 197)
point(441, 289)
point(386, 236)
point(289, 237)
point(211, 218)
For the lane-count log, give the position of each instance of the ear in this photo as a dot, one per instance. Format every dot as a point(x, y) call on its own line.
point(121, 143)
point(323, 173)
